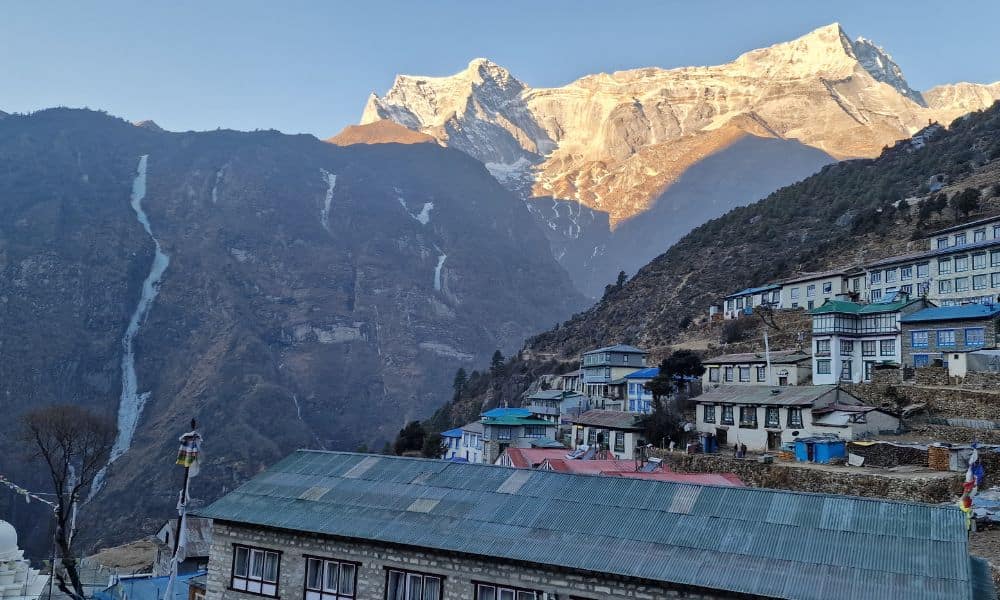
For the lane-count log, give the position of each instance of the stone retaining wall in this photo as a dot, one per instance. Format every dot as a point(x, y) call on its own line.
point(787, 476)
point(941, 401)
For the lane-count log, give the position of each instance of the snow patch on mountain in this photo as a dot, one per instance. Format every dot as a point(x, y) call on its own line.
point(331, 182)
point(424, 216)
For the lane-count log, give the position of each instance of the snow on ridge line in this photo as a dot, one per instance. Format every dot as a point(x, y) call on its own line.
point(132, 402)
point(331, 182)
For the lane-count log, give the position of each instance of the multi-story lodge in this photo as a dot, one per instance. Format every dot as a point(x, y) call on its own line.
point(788, 367)
point(810, 290)
point(849, 338)
point(517, 427)
point(941, 332)
point(744, 301)
point(603, 366)
point(340, 526)
point(961, 265)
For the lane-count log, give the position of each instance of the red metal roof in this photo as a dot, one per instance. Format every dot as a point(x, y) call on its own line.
point(530, 458)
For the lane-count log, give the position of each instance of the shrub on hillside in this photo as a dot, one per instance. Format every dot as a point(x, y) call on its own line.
point(738, 330)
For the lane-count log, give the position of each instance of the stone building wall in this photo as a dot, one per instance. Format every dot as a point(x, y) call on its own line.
point(827, 481)
point(458, 571)
point(941, 401)
point(989, 325)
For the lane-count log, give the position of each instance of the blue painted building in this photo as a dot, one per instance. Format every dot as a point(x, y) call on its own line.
point(942, 331)
point(451, 440)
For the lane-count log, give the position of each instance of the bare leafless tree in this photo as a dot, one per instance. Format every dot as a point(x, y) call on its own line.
point(74, 443)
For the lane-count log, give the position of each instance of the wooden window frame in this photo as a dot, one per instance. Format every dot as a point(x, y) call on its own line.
point(408, 572)
point(248, 578)
point(499, 586)
point(323, 594)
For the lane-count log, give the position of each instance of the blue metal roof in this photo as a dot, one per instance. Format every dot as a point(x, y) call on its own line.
point(649, 373)
point(953, 313)
point(499, 413)
point(147, 588)
point(753, 541)
point(754, 290)
point(452, 433)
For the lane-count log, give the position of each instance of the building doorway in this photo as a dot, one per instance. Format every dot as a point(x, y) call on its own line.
point(721, 437)
point(774, 440)
point(783, 380)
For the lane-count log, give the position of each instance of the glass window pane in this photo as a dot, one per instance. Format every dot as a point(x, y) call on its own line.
point(314, 570)
point(347, 579)
point(271, 566)
point(506, 594)
point(414, 587)
point(526, 596)
point(432, 588)
point(242, 560)
point(330, 585)
point(256, 564)
point(396, 587)
point(487, 592)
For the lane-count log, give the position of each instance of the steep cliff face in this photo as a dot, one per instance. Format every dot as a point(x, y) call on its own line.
point(616, 143)
point(312, 295)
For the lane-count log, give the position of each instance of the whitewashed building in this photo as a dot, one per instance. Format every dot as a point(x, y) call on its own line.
point(764, 418)
point(850, 338)
point(788, 367)
point(810, 290)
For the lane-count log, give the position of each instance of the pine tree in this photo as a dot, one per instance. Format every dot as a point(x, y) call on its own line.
point(460, 380)
point(496, 363)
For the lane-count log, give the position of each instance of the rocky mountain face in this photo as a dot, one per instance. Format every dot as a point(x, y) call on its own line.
point(617, 143)
point(284, 291)
point(849, 213)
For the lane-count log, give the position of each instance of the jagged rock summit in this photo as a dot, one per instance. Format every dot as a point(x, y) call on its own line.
point(616, 142)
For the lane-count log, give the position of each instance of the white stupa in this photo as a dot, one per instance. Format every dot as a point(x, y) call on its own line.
point(18, 581)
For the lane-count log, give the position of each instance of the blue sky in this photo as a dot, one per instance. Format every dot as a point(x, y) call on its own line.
point(308, 66)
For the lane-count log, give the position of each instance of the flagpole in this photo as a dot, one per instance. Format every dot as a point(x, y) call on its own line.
point(184, 489)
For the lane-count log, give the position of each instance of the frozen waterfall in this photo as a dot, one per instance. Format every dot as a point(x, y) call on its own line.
point(132, 401)
point(324, 215)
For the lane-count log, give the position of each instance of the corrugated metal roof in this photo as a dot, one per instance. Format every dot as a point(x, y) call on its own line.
point(778, 357)
point(496, 413)
point(618, 348)
point(855, 308)
point(753, 290)
point(949, 313)
point(453, 433)
point(744, 540)
point(911, 256)
point(612, 419)
point(795, 395)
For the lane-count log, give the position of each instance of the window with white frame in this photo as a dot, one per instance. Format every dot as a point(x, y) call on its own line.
point(942, 242)
point(827, 287)
point(489, 591)
point(255, 570)
point(875, 295)
point(761, 373)
point(795, 417)
point(945, 338)
point(890, 275)
point(975, 336)
point(708, 413)
point(994, 279)
point(823, 366)
point(868, 348)
point(771, 417)
point(996, 232)
point(411, 585)
point(907, 289)
point(887, 347)
point(979, 235)
point(960, 239)
point(961, 263)
point(979, 282)
point(845, 370)
point(811, 290)
point(979, 260)
point(846, 347)
point(875, 277)
point(823, 347)
point(330, 579)
point(906, 272)
point(923, 270)
point(944, 266)
point(961, 284)
point(748, 417)
point(919, 339)
point(727, 414)
point(744, 374)
point(729, 374)
point(794, 293)
point(995, 258)
point(944, 286)
point(713, 374)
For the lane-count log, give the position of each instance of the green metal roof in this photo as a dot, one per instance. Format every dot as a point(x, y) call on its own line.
point(753, 541)
point(854, 308)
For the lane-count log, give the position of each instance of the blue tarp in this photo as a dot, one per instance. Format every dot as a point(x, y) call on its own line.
point(147, 588)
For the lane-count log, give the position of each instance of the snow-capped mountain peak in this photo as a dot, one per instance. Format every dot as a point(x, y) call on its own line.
point(880, 65)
